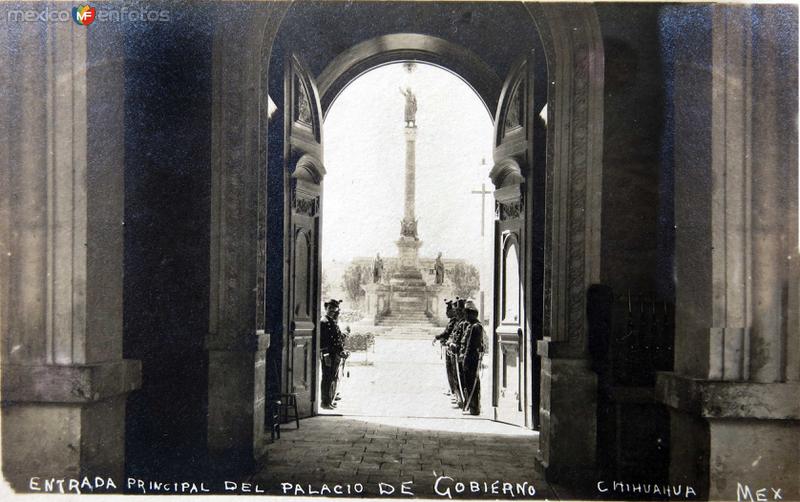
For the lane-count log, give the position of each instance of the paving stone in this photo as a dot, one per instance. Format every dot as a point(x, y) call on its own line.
point(390, 466)
point(431, 464)
point(367, 468)
point(374, 456)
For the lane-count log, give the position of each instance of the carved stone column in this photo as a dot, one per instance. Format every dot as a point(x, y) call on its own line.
point(61, 232)
point(734, 394)
point(571, 35)
point(237, 341)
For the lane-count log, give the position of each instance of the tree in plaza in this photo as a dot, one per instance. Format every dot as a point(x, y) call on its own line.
point(466, 279)
point(354, 277)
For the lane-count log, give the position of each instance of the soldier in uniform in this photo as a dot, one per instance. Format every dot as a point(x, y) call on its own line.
point(472, 349)
point(332, 352)
point(444, 339)
point(454, 350)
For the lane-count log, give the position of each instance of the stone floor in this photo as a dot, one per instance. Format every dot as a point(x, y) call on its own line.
point(492, 460)
point(394, 425)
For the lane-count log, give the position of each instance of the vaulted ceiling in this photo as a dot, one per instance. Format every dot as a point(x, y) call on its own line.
point(319, 31)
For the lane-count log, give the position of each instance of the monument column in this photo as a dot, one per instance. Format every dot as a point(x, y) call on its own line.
point(411, 187)
point(409, 243)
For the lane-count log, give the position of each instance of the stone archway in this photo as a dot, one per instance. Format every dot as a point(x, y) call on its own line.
point(573, 50)
point(365, 56)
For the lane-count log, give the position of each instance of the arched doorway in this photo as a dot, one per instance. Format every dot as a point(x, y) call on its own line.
point(367, 190)
point(513, 140)
point(571, 188)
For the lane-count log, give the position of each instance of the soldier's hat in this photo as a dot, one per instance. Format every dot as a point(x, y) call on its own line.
point(461, 302)
point(448, 302)
point(333, 303)
point(470, 305)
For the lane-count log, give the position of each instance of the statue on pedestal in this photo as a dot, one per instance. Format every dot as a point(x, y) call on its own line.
point(438, 268)
point(377, 269)
point(411, 107)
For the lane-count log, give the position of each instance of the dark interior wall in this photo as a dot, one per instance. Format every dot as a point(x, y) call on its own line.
point(636, 197)
point(637, 248)
point(167, 218)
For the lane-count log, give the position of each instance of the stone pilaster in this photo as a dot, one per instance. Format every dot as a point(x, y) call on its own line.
point(64, 378)
point(237, 341)
point(568, 387)
point(733, 395)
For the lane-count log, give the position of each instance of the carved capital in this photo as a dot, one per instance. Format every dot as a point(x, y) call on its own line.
point(305, 205)
point(509, 210)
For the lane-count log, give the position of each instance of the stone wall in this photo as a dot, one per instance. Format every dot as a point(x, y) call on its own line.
point(167, 238)
point(734, 391)
point(61, 221)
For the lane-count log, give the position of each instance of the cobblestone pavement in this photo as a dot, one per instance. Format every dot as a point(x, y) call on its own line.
point(491, 460)
point(394, 425)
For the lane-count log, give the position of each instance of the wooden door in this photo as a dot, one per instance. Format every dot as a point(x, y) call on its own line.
point(305, 171)
point(509, 330)
point(513, 390)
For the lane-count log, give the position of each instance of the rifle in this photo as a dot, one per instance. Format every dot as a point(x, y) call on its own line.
point(458, 378)
point(475, 382)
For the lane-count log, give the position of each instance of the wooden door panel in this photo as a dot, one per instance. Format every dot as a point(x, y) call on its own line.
point(303, 164)
point(513, 135)
point(303, 326)
point(302, 377)
point(509, 330)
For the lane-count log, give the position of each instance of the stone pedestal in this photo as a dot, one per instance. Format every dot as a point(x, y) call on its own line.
point(377, 300)
point(65, 421)
point(436, 307)
point(568, 427)
point(729, 433)
point(408, 257)
point(236, 403)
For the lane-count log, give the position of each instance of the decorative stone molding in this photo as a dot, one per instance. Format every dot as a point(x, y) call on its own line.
point(719, 399)
point(307, 206)
point(506, 172)
point(509, 211)
point(70, 384)
point(513, 118)
point(572, 41)
point(310, 169)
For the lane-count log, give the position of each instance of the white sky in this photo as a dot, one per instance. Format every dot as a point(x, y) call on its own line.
point(364, 149)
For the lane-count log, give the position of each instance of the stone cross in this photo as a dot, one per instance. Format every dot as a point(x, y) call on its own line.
point(482, 192)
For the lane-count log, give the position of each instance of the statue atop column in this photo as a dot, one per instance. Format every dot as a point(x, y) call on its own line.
point(438, 268)
point(411, 107)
